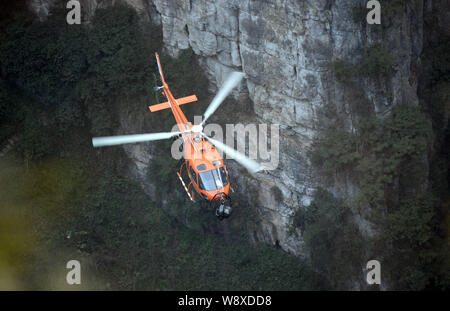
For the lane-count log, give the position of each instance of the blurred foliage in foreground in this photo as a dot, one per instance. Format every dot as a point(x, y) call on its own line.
point(396, 171)
point(122, 239)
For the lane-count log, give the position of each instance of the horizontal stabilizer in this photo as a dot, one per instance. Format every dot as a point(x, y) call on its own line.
point(180, 101)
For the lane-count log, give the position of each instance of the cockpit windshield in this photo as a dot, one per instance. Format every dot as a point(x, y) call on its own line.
point(213, 179)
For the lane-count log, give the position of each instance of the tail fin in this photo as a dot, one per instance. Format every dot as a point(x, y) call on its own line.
point(159, 68)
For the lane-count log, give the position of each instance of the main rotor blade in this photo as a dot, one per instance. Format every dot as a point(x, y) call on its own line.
point(233, 79)
point(251, 165)
point(128, 139)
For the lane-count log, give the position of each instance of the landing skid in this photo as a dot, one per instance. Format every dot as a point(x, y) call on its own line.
point(184, 185)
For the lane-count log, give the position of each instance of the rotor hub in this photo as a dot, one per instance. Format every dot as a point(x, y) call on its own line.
point(197, 128)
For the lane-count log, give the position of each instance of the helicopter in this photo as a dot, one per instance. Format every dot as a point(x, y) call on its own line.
point(202, 161)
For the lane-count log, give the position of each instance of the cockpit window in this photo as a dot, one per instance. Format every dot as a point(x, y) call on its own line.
point(213, 179)
point(201, 167)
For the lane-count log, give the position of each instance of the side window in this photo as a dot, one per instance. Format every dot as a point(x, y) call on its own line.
point(194, 176)
point(200, 182)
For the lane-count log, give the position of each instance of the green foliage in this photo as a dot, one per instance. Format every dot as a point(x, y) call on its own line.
point(335, 150)
point(8, 101)
point(120, 64)
point(377, 61)
point(11, 110)
point(385, 158)
point(277, 194)
point(121, 59)
point(434, 93)
point(359, 14)
point(44, 58)
point(376, 152)
point(76, 70)
point(162, 168)
point(246, 220)
point(443, 280)
point(409, 223)
point(409, 131)
point(437, 64)
point(393, 8)
point(10, 10)
point(155, 253)
point(36, 139)
point(409, 230)
point(126, 240)
point(331, 237)
point(394, 149)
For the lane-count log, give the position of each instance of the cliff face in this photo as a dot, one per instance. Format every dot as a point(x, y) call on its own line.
point(41, 7)
point(286, 49)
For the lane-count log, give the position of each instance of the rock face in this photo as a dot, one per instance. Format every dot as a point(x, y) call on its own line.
point(286, 49)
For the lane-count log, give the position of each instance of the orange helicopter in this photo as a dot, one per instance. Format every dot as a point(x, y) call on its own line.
point(204, 164)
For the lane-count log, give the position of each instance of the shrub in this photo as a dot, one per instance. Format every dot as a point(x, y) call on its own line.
point(387, 164)
point(393, 8)
point(334, 150)
point(277, 194)
point(331, 238)
point(409, 230)
point(437, 64)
